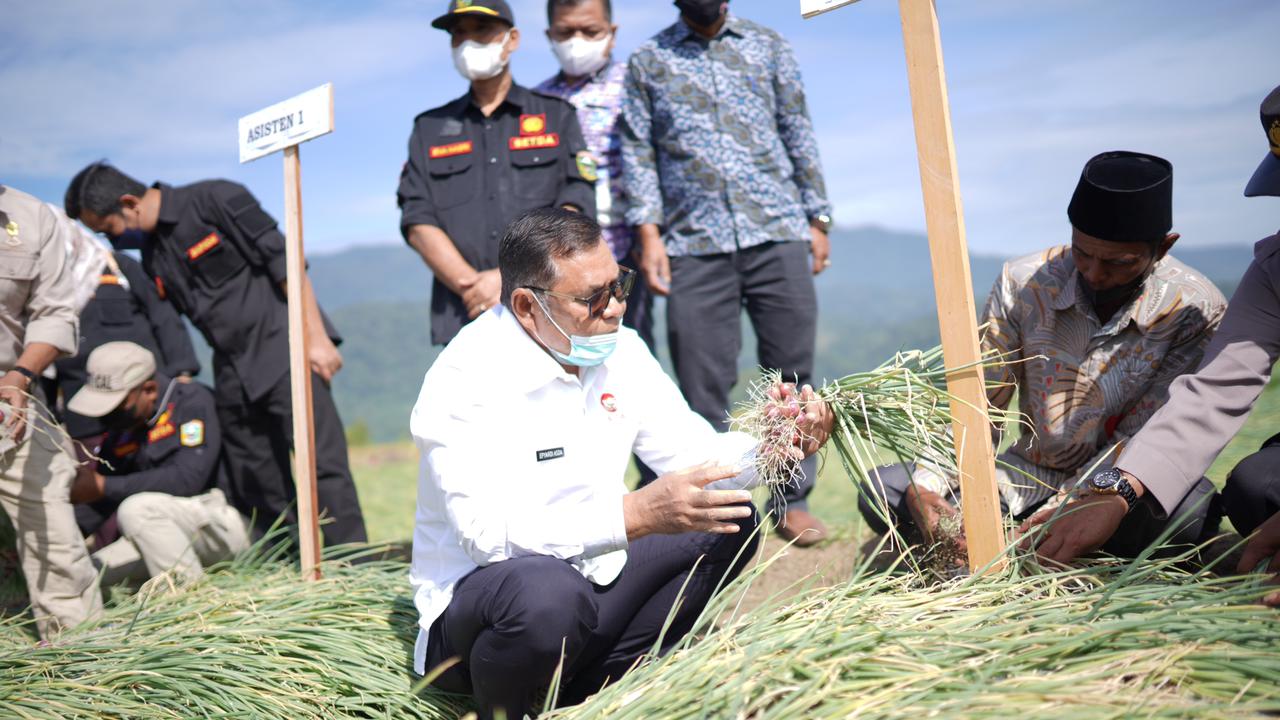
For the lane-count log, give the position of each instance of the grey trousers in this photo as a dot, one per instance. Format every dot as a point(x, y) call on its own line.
point(1197, 516)
point(774, 284)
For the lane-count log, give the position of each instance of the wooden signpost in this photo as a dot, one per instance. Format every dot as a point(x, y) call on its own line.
point(952, 283)
point(284, 126)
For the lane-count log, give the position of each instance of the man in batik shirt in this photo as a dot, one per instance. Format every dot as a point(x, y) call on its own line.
point(725, 189)
point(582, 36)
point(1092, 333)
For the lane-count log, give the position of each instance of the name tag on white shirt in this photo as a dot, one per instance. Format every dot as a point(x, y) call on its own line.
point(550, 454)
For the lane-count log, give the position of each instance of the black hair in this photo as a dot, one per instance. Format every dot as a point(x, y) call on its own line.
point(553, 5)
point(98, 188)
point(532, 244)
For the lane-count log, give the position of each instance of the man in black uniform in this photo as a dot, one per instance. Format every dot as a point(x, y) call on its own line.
point(125, 307)
point(481, 161)
point(217, 256)
point(161, 454)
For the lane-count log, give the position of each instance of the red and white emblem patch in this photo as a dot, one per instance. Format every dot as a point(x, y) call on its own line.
point(609, 402)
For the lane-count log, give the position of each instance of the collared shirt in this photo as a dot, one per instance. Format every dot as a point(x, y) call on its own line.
point(125, 307)
point(520, 458)
point(717, 145)
point(1206, 409)
point(37, 298)
point(1084, 386)
point(176, 453)
point(220, 259)
point(598, 99)
point(471, 175)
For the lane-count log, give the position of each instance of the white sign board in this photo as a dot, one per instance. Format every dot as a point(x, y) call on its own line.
point(296, 120)
point(809, 8)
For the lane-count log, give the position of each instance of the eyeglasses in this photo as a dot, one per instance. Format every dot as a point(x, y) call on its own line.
point(598, 301)
point(592, 34)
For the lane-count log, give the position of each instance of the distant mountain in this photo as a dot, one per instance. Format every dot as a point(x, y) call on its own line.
point(876, 298)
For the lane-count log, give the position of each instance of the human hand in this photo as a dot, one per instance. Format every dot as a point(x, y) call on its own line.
point(1264, 544)
point(814, 417)
point(1082, 526)
point(325, 359)
point(678, 502)
point(655, 265)
point(927, 509)
point(481, 292)
point(820, 246)
point(88, 487)
point(13, 390)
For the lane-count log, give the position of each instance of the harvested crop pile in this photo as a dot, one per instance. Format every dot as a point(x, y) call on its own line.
point(253, 640)
point(1109, 641)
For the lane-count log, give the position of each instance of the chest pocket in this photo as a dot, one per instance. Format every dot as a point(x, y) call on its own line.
point(213, 259)
point(17, 270)
point(452, 180)
point(536, 176)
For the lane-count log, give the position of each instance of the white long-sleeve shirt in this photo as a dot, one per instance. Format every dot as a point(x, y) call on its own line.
point(520, 458)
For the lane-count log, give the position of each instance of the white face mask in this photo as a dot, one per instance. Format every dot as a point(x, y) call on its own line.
point(477, 61)
point(580, 57)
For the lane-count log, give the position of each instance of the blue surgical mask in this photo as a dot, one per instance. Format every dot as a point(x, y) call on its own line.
point(131, 239)
point(584, 350)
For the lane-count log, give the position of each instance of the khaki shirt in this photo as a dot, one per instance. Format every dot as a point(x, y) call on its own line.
point(37, 298)
point(1086, 387)
point(1205, 410)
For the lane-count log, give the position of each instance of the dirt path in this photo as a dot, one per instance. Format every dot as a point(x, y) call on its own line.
point(801, 568)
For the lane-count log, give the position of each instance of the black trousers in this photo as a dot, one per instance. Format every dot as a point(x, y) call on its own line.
point(773, 282)
point(508, 622)
point(1196, 517)
point(257, 443)
point(1252, 492)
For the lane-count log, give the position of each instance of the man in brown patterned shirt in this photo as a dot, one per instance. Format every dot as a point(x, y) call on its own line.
point(1094, 332)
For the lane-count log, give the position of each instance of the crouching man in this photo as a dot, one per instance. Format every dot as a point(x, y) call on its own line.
point(527, 545)
point(1095, 332)
point(161, 472)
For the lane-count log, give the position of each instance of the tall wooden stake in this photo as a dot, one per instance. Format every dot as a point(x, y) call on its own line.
point(952, 283)
point(304, 439)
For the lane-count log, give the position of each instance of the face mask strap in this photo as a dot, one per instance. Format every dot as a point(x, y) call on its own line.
point(554, 324)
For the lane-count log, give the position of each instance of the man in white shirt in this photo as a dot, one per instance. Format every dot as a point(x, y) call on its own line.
point(527, 544)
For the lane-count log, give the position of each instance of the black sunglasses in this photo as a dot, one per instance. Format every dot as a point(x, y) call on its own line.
point(598, 301)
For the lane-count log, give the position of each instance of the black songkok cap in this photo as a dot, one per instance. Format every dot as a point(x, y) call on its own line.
point(1266, 179)
point(1124, 197)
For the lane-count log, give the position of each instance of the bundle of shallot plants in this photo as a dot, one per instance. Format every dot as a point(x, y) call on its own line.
point(898, 412)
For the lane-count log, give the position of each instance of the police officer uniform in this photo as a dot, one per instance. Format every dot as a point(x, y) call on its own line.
point(125, 307)
point(471, 175)
point(1207, 408)
point(219, 258)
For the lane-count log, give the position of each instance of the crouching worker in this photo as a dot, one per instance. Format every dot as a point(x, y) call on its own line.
point(527, 546)
point(161, 470)
point(1094, 333)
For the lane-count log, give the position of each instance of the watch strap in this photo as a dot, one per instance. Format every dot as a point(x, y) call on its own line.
point(1126, 491)
point(24, 372)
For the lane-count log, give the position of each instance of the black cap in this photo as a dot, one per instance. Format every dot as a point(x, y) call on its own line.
point(1266, 179)
point(497, 9)
point(1124, 197)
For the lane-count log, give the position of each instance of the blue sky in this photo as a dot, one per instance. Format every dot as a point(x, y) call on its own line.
point(1037, 87)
